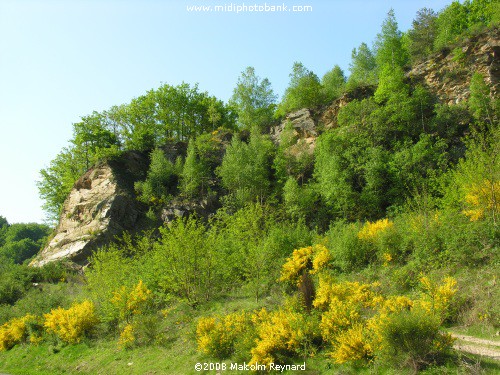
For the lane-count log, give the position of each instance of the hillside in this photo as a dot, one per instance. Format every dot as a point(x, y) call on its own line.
point(350, 228)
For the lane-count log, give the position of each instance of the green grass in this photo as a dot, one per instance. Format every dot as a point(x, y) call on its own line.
point(101, 357)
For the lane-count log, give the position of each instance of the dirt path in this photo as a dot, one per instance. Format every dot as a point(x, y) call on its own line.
point(474, 345)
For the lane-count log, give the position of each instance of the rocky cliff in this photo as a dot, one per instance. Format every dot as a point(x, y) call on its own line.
point(101, 205)
point(447, 74)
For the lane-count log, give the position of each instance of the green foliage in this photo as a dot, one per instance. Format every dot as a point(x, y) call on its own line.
point(246, 181)
point(362, 68)
point(57, 181)
point(253, 100)
point(334, 172)
point(412, 339)
point(475, 183)
point(161, 180)
point(299, 200)
point(304, 91)
point(187, 260)
point(457, 19)
point(21, 241)
point(481, 105)
point(333, 83)
point(389, 47)
point(422, 34)
point(91, 136)
point(350, 253)
point(194, 177)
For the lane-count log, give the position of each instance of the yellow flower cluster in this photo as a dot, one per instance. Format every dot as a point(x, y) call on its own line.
point(72, 324)
point(482, 197)
point(131, 301)
point(321, 258)
point(353, 319)
point(316, 256)
point(436, 298)
point(14, 331)
point(353, 345)
point(328, 292)
point(370, 230)
point(127, 336)
point(216, 337)
point(278, 332)
point(354, 315)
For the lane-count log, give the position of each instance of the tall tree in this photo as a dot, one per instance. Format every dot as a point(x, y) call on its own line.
point(253, 99)
point(333, 83)
point(422, 34)
point(245, 180)
point(194, 174)
point(389, 46)
point(362, 67)
point(304, 91)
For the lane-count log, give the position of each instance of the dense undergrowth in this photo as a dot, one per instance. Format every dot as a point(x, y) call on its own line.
point(354, 255)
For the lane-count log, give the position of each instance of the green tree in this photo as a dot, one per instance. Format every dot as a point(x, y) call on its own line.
point(362, 67)
point(4, 225)
point(422, 34)
point(304, 91)
point(389, 47)
point(480, 103)
point(194, 174)
point(245, 169)
point(451, 22)
point(335, 170)
point(299, 200)
point(333, 83)
point(22, 241)
point(254, 100)
point(91, 138)
point(186, 262)
point(57, 181)
point(161, 180)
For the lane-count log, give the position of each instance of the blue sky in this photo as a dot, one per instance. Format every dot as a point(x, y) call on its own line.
point(60, 60)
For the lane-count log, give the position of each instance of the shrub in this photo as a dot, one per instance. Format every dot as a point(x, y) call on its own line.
point(14, 331)
point(370, 231)
point(131, 301)
point(435, 299)
point(127, 336)
point(412, 338)
point(353, 345)
point(349, 251)
point(217, 336)
point(71, 325)
point(279, 335)
point(311, 258)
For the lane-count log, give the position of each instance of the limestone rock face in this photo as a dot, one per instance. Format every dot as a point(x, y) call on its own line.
point(448, 73)
point(100, 206)
point(303, 122)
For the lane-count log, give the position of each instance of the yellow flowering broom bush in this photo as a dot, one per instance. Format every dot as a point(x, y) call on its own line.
point(15, 331)
point(129, 304)
point(311, 258)
point(481, 199)
point(71, 325)
point(280, 333)
point(216, 336)
point(370, 231)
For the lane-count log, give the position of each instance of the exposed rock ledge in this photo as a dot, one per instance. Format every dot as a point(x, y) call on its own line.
point(100, 206)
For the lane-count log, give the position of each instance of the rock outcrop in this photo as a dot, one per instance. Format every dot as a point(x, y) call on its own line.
point(447, 74)
point(102, 203)
point(100, 206)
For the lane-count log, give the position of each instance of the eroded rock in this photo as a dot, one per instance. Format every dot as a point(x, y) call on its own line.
point(100, 206)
